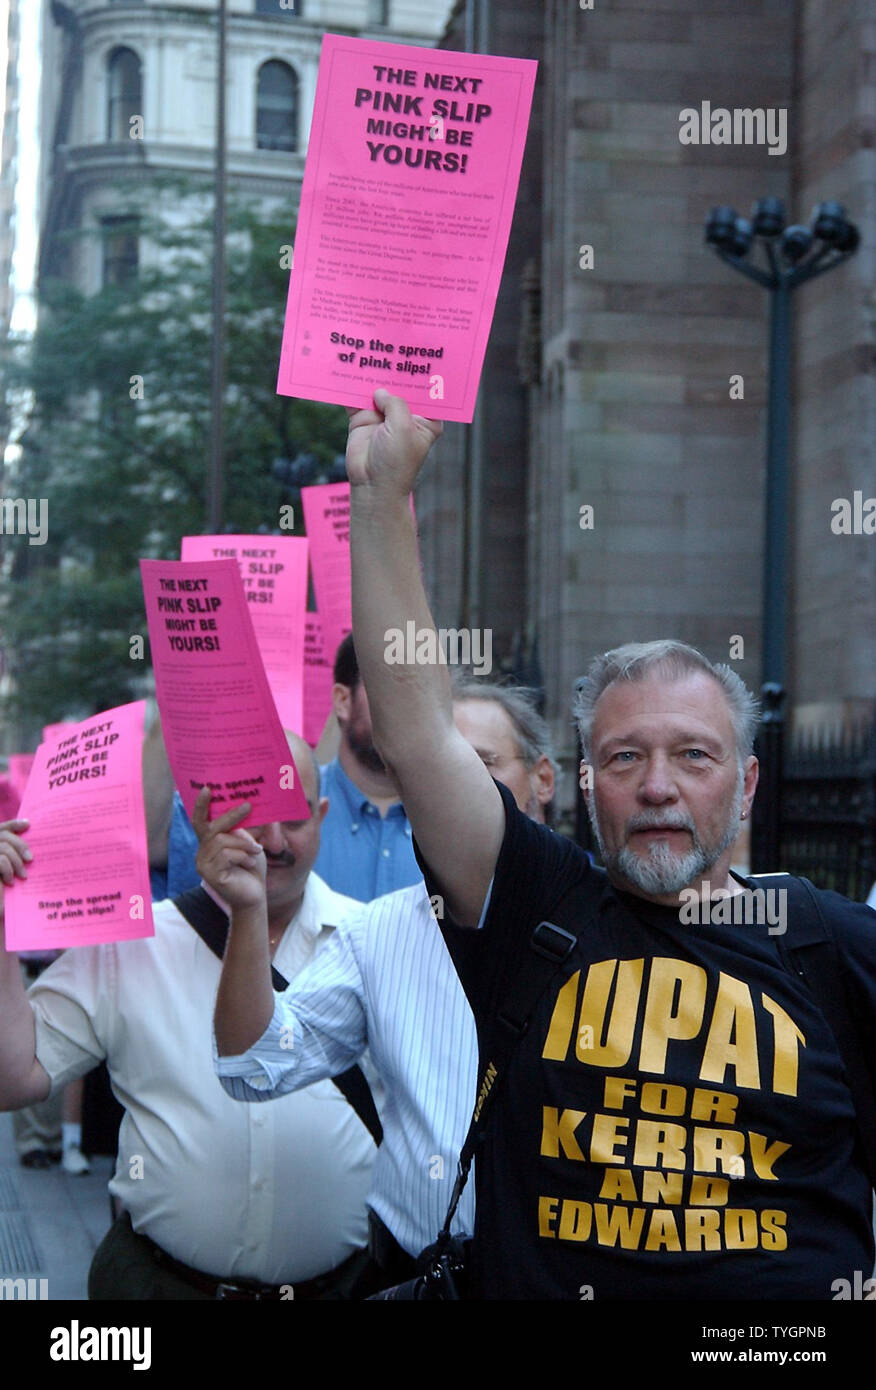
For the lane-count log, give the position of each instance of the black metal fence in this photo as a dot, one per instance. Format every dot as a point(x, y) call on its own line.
point(828, 812)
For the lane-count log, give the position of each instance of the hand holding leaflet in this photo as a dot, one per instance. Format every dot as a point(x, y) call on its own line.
point(88, 880)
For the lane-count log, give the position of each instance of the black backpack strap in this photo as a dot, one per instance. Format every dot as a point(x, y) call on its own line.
point(549, 947)
point(809, 950)
point(211, 924)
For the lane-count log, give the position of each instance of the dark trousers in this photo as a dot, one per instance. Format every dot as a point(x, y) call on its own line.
point(388, 1264)
point(124, 1267)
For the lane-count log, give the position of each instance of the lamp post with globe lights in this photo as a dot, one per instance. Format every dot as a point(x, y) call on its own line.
point(792, 254)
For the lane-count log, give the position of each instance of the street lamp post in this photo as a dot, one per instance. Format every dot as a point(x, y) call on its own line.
point(793, 255)
point(217, 346)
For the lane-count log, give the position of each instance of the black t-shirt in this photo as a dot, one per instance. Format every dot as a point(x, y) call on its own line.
point(676, 1121)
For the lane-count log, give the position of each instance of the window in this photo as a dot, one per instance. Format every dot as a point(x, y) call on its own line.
point(277, 107)
point(121, 249)
point(124, 94)
point(280, 9)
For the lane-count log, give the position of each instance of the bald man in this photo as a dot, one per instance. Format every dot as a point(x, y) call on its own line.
point(220, 1200)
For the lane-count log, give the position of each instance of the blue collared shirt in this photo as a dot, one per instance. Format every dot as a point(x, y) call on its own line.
point(362, 853)
point(182, 846)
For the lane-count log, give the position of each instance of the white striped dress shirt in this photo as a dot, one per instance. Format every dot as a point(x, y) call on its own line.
point(384, 980)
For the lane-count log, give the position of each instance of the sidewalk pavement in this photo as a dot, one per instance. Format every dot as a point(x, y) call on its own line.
point(50, 1223)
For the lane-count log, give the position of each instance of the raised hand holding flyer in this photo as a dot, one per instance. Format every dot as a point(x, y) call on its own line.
point(88, 880)
point(409, 189)
point(221, 726)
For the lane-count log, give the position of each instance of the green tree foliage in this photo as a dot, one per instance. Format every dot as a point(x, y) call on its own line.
point(125, 477)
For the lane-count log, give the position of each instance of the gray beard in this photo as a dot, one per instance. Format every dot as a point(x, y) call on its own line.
point(663, 872)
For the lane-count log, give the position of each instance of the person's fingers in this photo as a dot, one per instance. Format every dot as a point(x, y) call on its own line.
point(231, 848)
point(362, 415)
point(7, 837)
point(227, 821)
point(14, 825)
point(14, 853)
point(400, 419)
point(200, 813)
point(432, 427)
point(11, 865)
point(394, 408)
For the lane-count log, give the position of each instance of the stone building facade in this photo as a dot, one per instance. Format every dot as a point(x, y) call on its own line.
point(609, 386)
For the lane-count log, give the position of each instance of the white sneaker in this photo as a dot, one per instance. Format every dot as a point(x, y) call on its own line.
point(75, 1162)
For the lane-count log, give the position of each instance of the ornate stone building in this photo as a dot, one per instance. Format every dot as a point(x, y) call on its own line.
point(129, 89)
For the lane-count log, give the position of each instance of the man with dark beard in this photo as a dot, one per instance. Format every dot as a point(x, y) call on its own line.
point(366, 848)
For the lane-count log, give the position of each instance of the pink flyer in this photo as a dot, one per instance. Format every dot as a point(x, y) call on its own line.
point(274, 574)
point(318, 681)
point(409, 188)
point(89, 878)
point(221, 726)
point(53, 731)
point(327, 522)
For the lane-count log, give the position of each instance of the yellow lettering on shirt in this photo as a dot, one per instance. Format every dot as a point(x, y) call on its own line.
point(763, 1158)
point(786, 1036)
point(708, 1192)
point(662, 1187)
point(618, 1185)
point(562, 1021)
point(732, 1040)
point(605, 1135)
point(619, 1225)
point(626, 976)
point(663, 1232)
point(558, 1131)
point(718, 1146)
point(662, 1022)
point(659, 1145)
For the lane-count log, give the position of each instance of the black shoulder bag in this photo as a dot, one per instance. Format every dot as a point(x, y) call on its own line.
point(211, 924)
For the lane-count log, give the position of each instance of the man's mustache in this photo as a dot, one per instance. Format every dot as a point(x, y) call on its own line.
point(662, 820)
point(284, 860)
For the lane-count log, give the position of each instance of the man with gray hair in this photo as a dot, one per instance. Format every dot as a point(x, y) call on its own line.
point(675, 1119)
point(664, 870)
